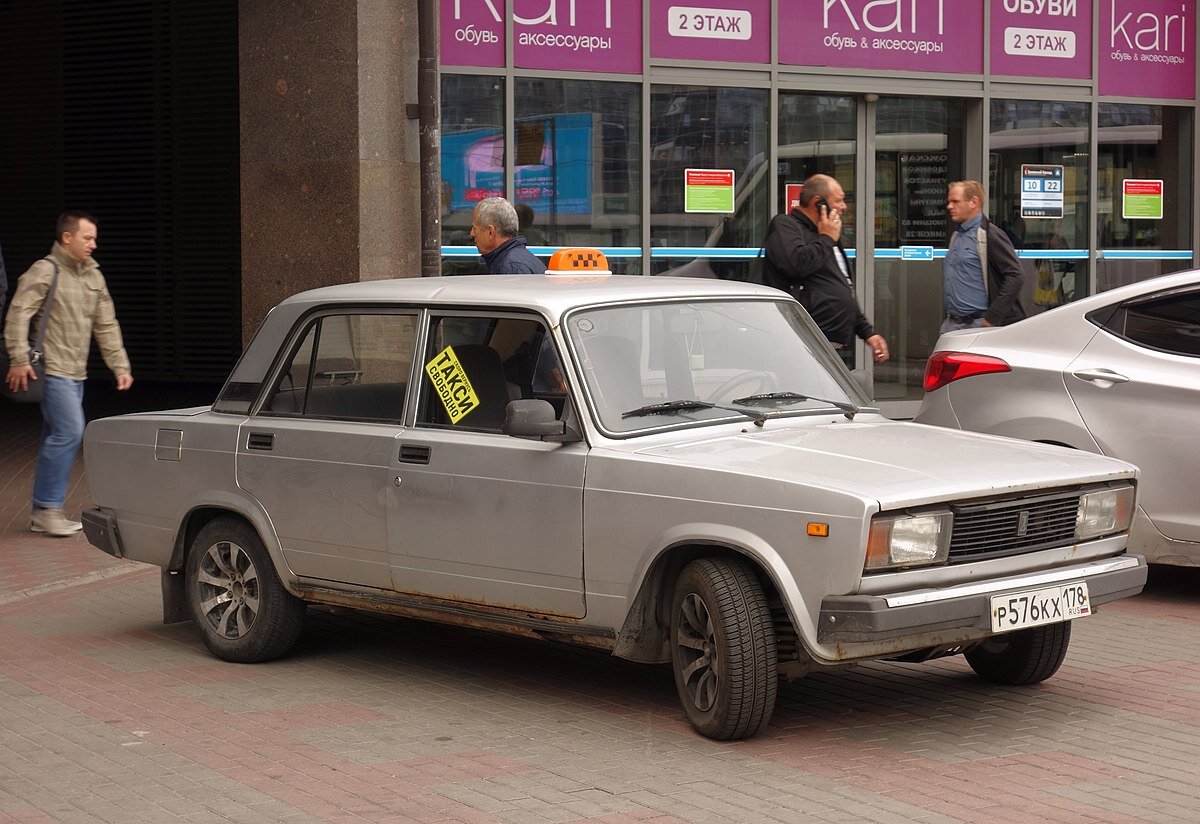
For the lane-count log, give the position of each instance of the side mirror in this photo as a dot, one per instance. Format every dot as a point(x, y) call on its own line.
point(534, 418)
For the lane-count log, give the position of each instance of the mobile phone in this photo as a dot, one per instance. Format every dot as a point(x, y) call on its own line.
point(819, 202)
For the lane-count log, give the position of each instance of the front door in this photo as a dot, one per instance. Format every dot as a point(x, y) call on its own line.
point(475, 515)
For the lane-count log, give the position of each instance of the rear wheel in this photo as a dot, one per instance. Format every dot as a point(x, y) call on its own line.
point(1028, 656)
point(723, 649)
point(235, 597)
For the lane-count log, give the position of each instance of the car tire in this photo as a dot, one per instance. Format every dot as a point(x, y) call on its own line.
point(1027, 656)
point(235, 597)
point(723, 649)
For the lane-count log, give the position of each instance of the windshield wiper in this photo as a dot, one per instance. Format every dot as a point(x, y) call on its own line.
point(683, 405)
point(777, 399)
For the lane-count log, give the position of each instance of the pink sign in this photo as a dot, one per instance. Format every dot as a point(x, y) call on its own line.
point(578, 35)
point(1147, 48)
point(735, 31)
point(1042, 39)
point(472, 33)
point(904, 35)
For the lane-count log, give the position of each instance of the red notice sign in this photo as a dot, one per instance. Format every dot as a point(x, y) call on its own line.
point(708, 177)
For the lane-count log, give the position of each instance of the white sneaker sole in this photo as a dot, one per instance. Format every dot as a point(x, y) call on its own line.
point(71, 531)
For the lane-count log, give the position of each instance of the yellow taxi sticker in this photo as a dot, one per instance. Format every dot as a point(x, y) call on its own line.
point(451, 384)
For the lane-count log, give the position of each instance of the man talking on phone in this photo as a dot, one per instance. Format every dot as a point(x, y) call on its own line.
point(803, 256)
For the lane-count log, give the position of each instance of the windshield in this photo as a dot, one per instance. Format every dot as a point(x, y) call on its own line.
point(669, 364)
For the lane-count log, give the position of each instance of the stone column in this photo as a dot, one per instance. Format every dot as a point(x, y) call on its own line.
point(330, 173)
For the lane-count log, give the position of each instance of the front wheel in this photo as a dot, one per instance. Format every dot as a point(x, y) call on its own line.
point(723, 649)
point(1027, 656)
point(236, 599)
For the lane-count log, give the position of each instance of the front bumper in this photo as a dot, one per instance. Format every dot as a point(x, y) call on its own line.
point(100, 528)
point(851, 619)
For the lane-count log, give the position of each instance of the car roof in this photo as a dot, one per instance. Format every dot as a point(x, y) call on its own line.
point(552, 295)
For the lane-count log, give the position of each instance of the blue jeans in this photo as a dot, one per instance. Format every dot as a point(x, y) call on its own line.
point(62, 433)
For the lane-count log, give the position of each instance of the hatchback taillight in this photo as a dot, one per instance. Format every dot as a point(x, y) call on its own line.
point(947, 367)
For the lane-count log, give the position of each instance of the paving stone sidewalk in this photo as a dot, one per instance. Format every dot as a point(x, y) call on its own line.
point(108, 715)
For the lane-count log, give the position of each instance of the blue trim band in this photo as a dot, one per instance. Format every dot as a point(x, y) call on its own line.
point(1146, 254)
point(729, 253)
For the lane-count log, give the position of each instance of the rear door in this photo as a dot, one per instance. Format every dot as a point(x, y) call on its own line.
point(1137, 386)
point(318, 454)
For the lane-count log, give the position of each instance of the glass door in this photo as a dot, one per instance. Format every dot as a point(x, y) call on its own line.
point(919, 149)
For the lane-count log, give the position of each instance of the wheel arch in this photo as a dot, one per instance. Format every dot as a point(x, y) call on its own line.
point(202, 512)
point(644, 636)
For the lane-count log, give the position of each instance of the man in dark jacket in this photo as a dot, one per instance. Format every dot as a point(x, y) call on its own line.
point(803, 255)
point(972, 298)
point(494, 228)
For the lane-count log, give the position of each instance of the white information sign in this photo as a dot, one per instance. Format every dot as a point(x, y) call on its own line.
point(1042, 190)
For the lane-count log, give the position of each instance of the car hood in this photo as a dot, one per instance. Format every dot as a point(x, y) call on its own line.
point(895, 463)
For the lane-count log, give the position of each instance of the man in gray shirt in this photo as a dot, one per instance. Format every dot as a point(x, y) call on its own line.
point(982, 275)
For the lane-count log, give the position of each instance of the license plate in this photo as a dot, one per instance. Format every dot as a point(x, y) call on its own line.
point(1033, 608)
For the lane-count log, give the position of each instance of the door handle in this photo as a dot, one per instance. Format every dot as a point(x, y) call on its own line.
point(1101, 375)
point(410, 453)
point(263, 441)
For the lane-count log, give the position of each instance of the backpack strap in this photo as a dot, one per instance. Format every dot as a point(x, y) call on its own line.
point(981, 244)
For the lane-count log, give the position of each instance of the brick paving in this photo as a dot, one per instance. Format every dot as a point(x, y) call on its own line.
point(108, 715)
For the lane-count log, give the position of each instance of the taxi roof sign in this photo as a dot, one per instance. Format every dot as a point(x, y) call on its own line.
point(582, 261)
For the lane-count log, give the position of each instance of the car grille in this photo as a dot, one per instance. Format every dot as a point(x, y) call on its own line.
point(1013, 527)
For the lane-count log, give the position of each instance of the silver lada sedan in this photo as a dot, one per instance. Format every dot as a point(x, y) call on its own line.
point(678, 471)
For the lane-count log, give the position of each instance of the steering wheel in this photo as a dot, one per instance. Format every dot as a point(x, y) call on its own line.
point(765, 383)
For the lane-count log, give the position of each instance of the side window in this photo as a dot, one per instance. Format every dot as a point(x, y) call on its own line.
point(348, 367)
point(475, 365)
point(1167, 324)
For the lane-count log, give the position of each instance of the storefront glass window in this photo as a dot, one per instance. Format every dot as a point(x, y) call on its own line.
point(1038, 193)
point(920, 145)
point(472, 159)
point(578, 166)
point(817, 135)
point(1144, 192)
point(707, 129)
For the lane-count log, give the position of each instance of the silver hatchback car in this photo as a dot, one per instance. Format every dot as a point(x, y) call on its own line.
point(678, 471)
point(1116, 373)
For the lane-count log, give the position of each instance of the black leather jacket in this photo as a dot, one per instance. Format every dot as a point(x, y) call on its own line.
point(799, 260)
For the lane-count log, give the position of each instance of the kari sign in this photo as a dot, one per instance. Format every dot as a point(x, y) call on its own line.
point(735, 31)
point(578, 35)
point(575, 35)
point(1042, 38)
point(472, 33)
point(904, 35)
point(1148, 47)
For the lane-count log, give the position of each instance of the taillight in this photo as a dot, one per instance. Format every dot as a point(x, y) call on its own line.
point(947, 367)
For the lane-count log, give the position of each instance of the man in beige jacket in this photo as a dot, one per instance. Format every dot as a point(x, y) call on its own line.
point(82, 308)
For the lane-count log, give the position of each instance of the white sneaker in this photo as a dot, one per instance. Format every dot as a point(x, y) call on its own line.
point(53, 522)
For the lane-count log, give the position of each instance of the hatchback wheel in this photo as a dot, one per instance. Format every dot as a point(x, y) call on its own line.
point(723, 649)
point(1028, 656)
point(235, 597)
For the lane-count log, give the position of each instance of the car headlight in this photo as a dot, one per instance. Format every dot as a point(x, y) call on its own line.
point(1104, 512)
point(908, 540)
